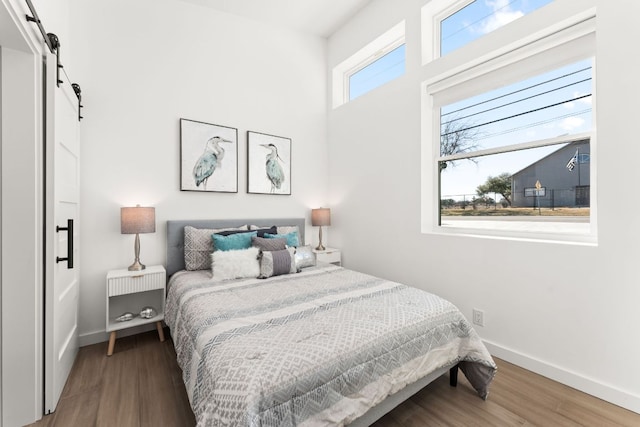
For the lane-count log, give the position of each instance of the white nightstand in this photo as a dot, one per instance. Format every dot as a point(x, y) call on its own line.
point(330, 255)
point(131, 291)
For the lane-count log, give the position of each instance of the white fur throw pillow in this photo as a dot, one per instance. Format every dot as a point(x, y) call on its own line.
point(235, 264)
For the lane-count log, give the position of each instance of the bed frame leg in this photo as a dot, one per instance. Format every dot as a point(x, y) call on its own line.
point(453, 376)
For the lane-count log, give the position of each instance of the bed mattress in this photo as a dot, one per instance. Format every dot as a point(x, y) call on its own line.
point(316, 348)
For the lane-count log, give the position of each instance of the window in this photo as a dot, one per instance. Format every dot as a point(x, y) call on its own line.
point(382, 70)
point(379, 62)
point(481, 17)
point(509, 134)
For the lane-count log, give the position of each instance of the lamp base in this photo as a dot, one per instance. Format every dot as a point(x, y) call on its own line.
point(320, 246)
point(136, 266)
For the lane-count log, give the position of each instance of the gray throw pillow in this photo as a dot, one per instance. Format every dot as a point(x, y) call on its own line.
point(198, 246)
point(275, 263)
point(265, 244)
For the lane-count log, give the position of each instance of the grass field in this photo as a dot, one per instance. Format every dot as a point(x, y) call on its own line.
point(500, 211)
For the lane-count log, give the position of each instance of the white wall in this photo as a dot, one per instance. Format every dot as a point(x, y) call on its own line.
point(142, 66)
point(575, 316)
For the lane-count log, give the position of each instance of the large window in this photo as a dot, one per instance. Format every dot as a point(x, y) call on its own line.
point(513, 134)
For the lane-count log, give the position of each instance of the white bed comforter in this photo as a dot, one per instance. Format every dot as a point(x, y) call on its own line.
point(319, 347)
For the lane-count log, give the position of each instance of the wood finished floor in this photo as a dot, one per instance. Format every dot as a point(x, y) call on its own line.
point(141, 385)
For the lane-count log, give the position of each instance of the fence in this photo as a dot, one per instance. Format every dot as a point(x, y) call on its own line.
point(545, 198)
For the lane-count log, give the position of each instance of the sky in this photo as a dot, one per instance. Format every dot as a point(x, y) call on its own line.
point(385, 69)
point(569, 87)
point(481, 17)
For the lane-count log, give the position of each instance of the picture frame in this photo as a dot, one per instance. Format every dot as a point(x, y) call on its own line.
point(268, 164)
point(208, 157)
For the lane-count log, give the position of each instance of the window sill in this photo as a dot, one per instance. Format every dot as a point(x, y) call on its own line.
point(572, 230)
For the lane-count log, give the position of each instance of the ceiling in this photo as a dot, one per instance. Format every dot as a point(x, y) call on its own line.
point(317, 17)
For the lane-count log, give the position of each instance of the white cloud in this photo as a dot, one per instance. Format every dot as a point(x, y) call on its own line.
point(497, 4)
point(502, 15)
point(571, 123)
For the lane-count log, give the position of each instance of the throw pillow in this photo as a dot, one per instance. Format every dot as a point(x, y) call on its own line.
point(269, 244)
point(233, 241)
point(276, 263)
point(235, 264)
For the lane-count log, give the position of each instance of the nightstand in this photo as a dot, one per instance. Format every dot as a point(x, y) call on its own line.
point(330, 255)
point(131, 291)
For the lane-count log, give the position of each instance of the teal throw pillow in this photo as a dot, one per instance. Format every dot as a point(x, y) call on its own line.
point(233, 242)
point(292, 238)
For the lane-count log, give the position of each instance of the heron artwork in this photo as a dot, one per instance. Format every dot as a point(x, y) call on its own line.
point(209, 161)
point(274, 170)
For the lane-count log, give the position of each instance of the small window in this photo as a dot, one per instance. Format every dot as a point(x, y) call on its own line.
point(481, 17)
point(377, 63)
point(382, 70)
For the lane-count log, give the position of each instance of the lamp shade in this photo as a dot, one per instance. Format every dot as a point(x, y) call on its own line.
point(320, 216)
point(137, 220)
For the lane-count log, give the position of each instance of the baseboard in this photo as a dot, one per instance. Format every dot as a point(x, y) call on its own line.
point(102, 336)
point(572, 379)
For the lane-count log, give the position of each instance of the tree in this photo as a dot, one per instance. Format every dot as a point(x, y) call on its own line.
point(500, 184)
point(447, 203)
point(457, 137)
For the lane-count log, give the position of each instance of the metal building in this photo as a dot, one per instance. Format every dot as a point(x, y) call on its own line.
point(563, 176)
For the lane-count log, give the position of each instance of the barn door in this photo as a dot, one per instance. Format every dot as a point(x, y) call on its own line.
point(61, 224)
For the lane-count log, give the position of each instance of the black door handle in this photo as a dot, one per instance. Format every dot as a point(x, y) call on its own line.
point(69, 230)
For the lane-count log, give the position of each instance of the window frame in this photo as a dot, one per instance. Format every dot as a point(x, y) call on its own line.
point(366, 62)
point(475, 68)
point(371, 52)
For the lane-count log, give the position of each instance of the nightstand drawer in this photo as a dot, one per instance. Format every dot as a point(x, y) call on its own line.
point(122, 282)
point(329, 255)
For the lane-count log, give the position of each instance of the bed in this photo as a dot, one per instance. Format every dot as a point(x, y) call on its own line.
point(322, 346)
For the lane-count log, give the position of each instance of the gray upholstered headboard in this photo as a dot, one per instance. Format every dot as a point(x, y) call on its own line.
point(175, 234)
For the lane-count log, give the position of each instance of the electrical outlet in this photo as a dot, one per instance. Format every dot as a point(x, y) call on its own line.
point(478, 317)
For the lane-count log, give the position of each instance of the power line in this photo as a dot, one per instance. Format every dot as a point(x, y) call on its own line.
point(478, 20)
point(517, 100)
point(383, 70)
point(516, 115)
point(530, 125)
point(517, 91)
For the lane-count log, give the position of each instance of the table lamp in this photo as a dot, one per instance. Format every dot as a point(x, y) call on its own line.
point(320, 217)
point(135, 221)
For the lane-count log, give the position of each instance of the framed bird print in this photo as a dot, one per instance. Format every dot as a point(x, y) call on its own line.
point(268, 164)
point(208, 157)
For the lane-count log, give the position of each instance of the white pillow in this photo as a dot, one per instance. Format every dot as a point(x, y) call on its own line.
point(235, 264)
